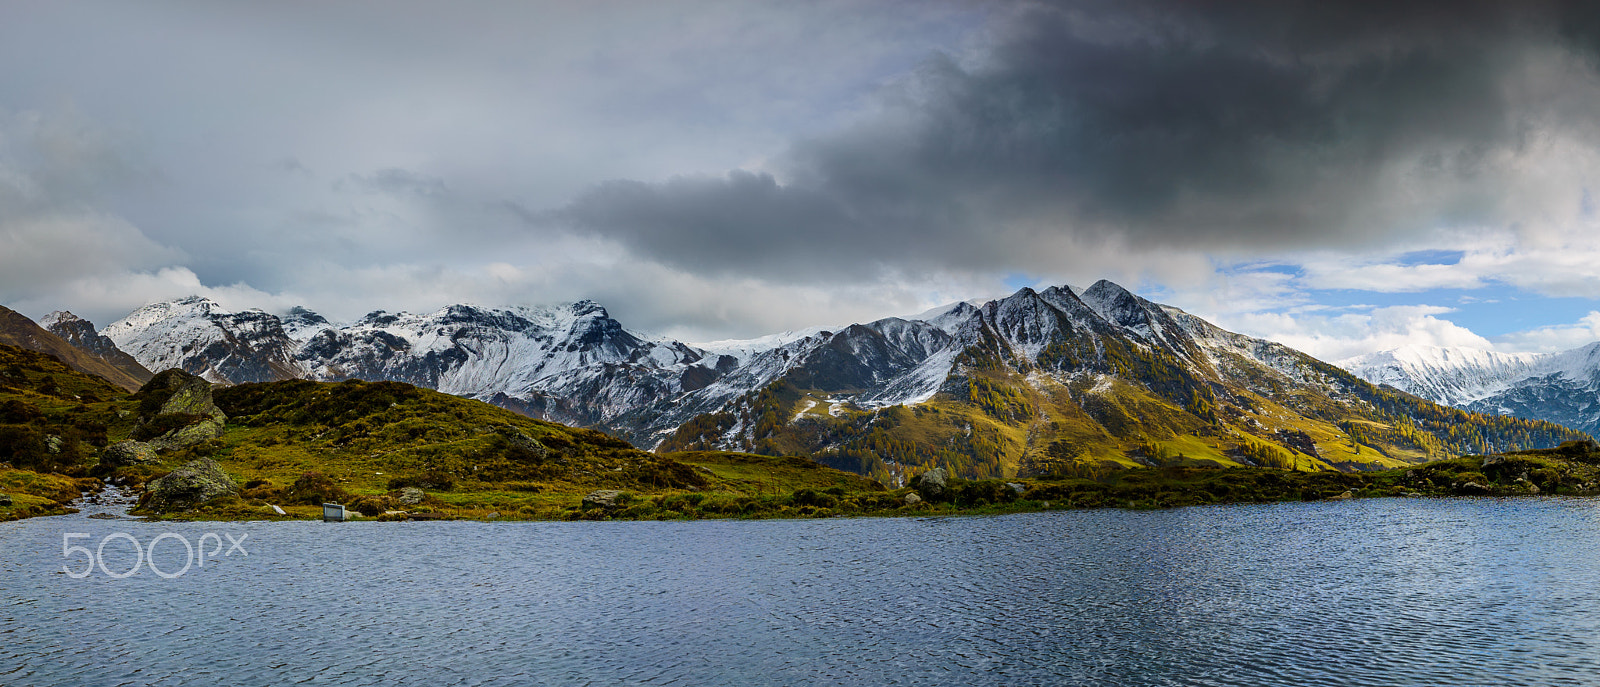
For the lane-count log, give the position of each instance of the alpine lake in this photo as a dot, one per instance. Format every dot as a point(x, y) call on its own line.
point(1390, 591)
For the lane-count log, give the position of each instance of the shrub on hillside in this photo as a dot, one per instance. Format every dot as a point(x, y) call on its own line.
point(432, 479)
point(314, 488)
point(15, 412)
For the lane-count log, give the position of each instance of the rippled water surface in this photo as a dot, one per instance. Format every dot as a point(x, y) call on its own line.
point(1380, 592)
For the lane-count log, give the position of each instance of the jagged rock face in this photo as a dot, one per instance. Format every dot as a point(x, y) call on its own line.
point(863, 357)
point(82, 335)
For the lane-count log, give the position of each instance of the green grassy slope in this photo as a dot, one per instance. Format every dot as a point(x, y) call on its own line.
point(298, 443)
point(997, 421)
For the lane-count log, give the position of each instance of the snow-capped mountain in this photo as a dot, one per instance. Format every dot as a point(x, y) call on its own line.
point(531, 359)
point(201, 337)
point(1047, 380)
point(1062, 376)
point(1558, 387)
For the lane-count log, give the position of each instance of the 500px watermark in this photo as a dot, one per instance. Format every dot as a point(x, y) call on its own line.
point(192, 554)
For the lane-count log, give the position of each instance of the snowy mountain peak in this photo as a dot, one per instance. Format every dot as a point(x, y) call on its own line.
point(588, 308)
point(1114, 303)
point(301, 324)
point(1451, 375)
point(60, 318)
point(1560, 387)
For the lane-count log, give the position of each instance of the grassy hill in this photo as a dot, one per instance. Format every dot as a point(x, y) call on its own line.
point(297, 443)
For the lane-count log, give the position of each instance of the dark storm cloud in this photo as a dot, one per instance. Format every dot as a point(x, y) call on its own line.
point(1217, 125)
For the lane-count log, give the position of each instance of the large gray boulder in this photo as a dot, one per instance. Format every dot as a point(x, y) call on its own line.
point(123, 454)
point(189, 486)
point(604, 498)
point(932, 483)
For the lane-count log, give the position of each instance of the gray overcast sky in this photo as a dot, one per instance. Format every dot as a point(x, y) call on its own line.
point(1340, 176)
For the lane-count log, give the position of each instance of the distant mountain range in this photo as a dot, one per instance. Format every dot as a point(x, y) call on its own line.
point(1062, 380)
point(1560, 387)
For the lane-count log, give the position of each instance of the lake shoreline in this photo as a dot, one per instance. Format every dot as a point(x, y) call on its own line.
point(1532, 473)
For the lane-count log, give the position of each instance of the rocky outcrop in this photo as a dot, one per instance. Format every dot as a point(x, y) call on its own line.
point(178, 392)
point(524, 443)
point(932, 483)
point(182, 401)
point(410, 496)
point(189, 486)
point(128, 453)
point(604, 498)
point(189, 435)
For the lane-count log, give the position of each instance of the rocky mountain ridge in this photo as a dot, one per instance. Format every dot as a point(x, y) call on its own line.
point(79, 354)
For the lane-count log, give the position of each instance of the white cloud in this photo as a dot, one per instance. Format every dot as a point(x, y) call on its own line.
point(1336, 337)
point(1552, 338)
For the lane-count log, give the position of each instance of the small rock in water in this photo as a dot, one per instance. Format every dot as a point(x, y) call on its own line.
point(1346, 495)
